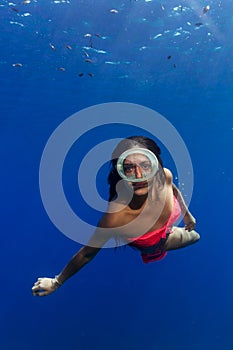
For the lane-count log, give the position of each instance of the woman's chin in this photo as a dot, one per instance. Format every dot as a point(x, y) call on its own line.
point(140, 188)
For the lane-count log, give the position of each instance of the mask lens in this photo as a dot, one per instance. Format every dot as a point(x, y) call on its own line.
point(137, 165)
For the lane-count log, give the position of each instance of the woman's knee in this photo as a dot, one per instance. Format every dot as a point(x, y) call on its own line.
point(194, 236)
point(181, 238)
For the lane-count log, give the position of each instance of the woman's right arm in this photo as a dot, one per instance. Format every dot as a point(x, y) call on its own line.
point(45, 286)
point(80, 259)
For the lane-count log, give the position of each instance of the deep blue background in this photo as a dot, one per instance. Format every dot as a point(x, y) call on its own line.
point(183, 302)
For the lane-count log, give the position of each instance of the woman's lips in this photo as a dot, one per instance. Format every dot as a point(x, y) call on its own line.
point(140, 185)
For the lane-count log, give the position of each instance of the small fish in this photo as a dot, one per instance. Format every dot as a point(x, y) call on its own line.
point(62, 69)
point(52, 47)
point(98, 35)
point(26, 2)
point(17, 65)
point(113, 11)
point(90, 74)
point(163, 7)
point(205, 9)
point(198, 24)
point(169, 57)
point(88, 35)
point(88, 60)
point(174, 65)
point(81, 75)
point(85, 53)
point(90, 43)
point(14, 9)
point(68, 47)
point(157, 36)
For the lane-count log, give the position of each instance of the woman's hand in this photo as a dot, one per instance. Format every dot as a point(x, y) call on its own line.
point(190, 221)
point(45, 286)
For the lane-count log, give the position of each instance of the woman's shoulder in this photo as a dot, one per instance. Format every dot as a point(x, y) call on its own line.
point(168, 175)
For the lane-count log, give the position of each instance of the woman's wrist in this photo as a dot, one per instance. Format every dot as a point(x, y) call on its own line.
point(57, 281)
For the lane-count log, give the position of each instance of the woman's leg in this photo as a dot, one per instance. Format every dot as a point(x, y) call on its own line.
point(180, 238)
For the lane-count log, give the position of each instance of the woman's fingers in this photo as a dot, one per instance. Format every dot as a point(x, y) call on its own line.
point(190, 226)
point(43, 294)
point(36, 289)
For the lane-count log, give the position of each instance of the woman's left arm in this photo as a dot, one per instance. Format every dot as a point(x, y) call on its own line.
point(189, 220)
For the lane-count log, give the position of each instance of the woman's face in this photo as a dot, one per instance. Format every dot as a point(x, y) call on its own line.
point(138, 166)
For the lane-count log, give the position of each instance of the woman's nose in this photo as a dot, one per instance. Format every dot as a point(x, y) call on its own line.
point(138, 172)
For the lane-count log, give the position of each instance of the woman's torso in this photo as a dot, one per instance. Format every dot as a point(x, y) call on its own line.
point(152, 215)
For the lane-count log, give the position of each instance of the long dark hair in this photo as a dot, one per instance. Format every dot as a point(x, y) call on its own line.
point(125, 144)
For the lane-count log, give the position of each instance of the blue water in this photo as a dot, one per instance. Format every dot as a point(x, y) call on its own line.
point(116, 302)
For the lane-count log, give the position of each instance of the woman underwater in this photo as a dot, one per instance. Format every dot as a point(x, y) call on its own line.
point(143, 205)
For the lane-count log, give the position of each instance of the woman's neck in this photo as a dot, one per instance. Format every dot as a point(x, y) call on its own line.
point(137, 202)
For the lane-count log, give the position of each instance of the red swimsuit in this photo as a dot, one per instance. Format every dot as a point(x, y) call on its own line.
point(150, 244)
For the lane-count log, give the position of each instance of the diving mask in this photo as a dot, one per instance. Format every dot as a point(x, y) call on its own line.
point(137, 165)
